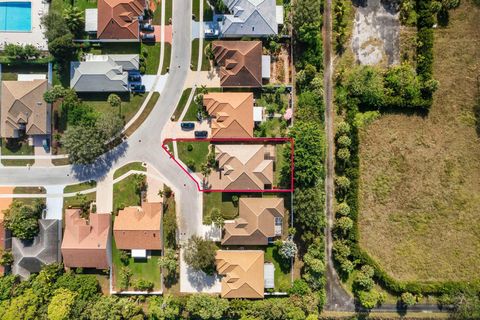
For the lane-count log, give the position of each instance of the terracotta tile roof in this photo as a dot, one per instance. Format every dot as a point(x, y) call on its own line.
point(256, 221)
point(86, 243)
point(139, 227)
point(240, 63)
point(232, 114)
point(22, 104)
point(118, 19)
point(4, 236)
point(243, 273)
point(243, 167)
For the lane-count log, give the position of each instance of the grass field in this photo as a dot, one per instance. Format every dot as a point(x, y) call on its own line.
point(420, 176)
point(131, 166)
point(197, 155)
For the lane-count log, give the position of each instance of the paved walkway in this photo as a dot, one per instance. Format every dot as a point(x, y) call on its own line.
point(54, 204)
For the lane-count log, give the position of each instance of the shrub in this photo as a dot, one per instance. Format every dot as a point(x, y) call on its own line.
point(343, 209)
point(143, 285)
point(189, 147)
point(235, 200)
point(370, 299)
point(204, 306)
point(344, 141)
point(343, 154)
point(299, 287)
point(124, 258)
point(408, 299)
point(344, 224)
point(364, 279)
point(22, 219)
point(217, 218)
point(343, 128)
point(114, 100)
point(288, 249)
point(342, 182)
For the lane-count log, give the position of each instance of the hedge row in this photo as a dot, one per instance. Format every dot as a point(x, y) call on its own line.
point(425, 22)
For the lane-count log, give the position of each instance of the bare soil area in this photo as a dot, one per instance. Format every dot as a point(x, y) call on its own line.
point(420, 176)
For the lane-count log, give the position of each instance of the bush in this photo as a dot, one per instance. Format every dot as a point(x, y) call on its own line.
point(343, 128)
point(343, 209)
point(124, 257)
point(370, 299)
point(143, 285)
point(342, 182)
point(343, 154)
point(189, 147)
point(200, 254)
point(204, 306)
point(408, 299)
point(288, 249)
point(344, 141)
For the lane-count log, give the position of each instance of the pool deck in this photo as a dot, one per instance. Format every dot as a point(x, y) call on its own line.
point(35, 36)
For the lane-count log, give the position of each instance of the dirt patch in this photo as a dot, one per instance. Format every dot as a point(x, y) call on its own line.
point(420, 176)
point(376, 31)
point(280, 71)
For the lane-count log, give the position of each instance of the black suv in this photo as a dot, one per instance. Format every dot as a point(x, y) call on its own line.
point(201, 134)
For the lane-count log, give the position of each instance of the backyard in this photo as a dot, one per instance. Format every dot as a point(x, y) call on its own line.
point(145, 269)
point(420, 176)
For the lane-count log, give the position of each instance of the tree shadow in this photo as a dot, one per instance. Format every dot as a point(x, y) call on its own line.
point(443, 17)
point(100, 168)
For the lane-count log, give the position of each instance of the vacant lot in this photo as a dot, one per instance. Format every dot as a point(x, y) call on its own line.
point(420, 176)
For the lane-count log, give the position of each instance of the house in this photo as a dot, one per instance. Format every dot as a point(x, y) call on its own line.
point(243, 273)
point(231, 112)
point(23, 110)
point(260, 219)
point(86, 243)
point(31, 255)
point(139, 228)
point(240, 63)
point(103, 73)
point(118, 19)
point(243, 167)
point(253, 18)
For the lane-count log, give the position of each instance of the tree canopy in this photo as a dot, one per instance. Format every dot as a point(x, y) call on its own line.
point(22, 219)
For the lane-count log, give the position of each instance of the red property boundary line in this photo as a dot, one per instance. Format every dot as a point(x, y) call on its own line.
point(233, 140)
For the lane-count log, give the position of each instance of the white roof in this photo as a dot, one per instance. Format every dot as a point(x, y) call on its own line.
point(30, 77)
point(279, 14)
point(269, 275)
point(257, 114)
point(265, 67)
point(139, 253)
point(91, 20)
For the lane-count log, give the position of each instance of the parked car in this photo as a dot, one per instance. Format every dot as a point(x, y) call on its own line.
point(134, 78)
point(148, 37)
point(46, 145)
point(138, 88)
point(201, 134)
point(147, 27)
point(187, 125)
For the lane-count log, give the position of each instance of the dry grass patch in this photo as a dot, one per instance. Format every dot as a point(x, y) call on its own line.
point(420, 176)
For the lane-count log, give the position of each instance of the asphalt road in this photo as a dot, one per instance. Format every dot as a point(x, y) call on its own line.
point(144, 145)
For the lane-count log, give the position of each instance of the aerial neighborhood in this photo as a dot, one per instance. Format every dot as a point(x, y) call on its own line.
point(239, 159)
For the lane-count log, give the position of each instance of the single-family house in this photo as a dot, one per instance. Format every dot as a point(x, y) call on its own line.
point(119, 19)
point(231, 112)
point(103, 73)
point(243, 273)
point(260, 220)
point(86, 243)
point(139, 228)
point(243, 167)
point(240, 63)
point(253, 18)
point(31, 255)
point(23, 110)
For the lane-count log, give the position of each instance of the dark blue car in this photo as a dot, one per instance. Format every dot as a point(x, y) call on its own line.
point(201, 134)
point(187, 125)
point(138, 88)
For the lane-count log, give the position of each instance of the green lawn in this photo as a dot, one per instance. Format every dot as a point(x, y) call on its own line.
point(181, 103)
point(141, 269)
point(153, 57)
point(10, 71)
point(283, 278)
point(166, 57)
point(16, 147)
point(194, 58)
point(196, 9)
point(168, 11)
point(207, 11)
point(80, 186)
point(221, 201)
point(131, 166)
point(29, 190)
point(169, 223)
point(129, 107)
point(85, 4)
point(76, 201)
point(197, 156)
point(271, 128)
point(148, 108)
point(157, 15)
point(280, 161)
point(125, 194)
point(191, 114)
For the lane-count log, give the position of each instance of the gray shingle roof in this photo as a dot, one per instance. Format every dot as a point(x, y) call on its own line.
point(103, 73)
point(249, 18)
point(30, 256)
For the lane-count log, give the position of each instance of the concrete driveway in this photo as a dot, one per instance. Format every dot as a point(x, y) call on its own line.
point(54, 202)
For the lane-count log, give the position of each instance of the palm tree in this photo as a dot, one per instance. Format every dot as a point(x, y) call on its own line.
point(74, 20)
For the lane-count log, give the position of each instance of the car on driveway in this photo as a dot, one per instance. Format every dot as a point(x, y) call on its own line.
point(147, 27)
point(135, 78)
point(187, 125)
point(201, 134)
point(148, 37)
point(138, 88)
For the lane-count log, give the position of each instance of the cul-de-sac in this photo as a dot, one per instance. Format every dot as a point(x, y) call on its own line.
point(239, 159)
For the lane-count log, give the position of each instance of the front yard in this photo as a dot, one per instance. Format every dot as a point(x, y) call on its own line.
point(137, 166)
point(193, 154)
point(195, 52)
point(16, 147)
point(125, 193)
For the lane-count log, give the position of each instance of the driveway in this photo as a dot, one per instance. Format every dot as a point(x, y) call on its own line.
point(39, 150)
point(192, 281)
point(54, 202)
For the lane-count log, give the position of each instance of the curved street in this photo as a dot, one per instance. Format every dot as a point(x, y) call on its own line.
point(144, 145)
